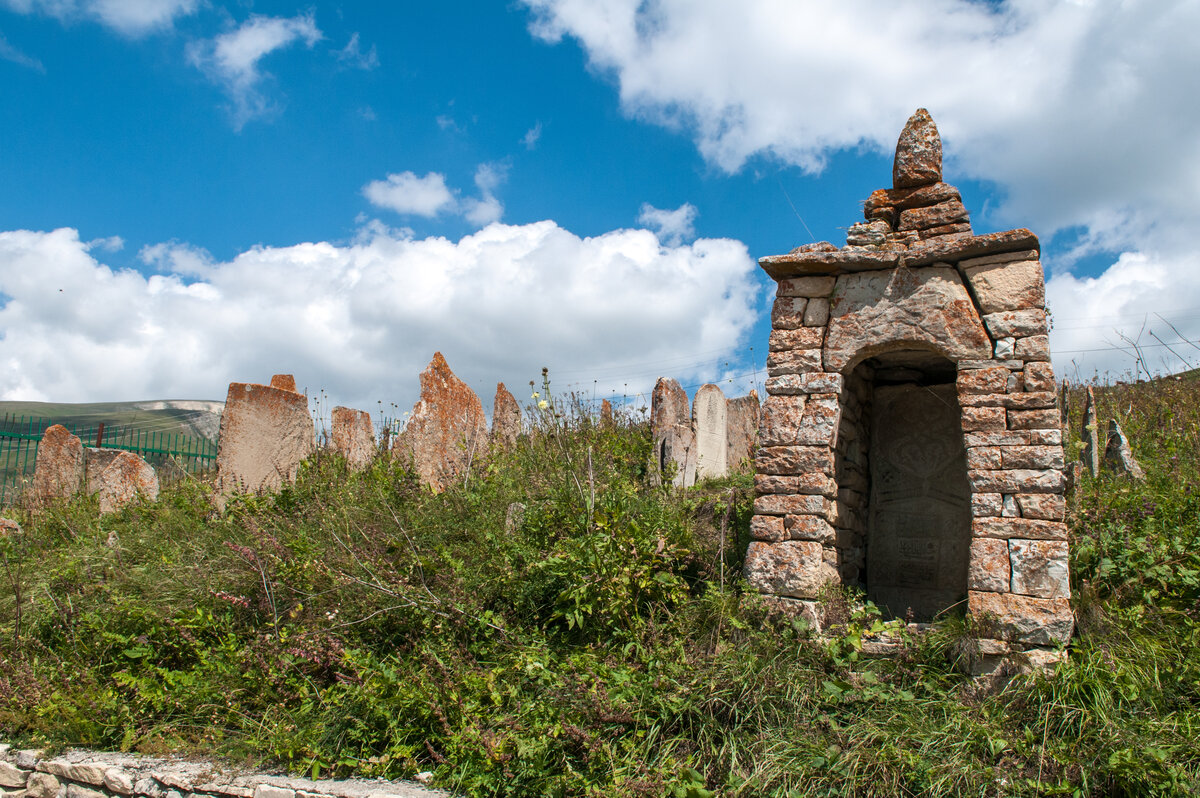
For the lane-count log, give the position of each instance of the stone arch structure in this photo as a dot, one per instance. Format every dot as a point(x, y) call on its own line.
point(911, 441)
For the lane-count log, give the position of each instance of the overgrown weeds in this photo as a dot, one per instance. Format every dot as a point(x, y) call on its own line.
point(559, 625)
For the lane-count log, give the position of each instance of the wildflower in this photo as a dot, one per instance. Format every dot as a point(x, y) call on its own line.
point(536, 395)
point(543, 404)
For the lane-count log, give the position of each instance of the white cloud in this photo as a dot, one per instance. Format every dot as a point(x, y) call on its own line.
point(530, 139)
point(1083, 114)
point(352, 55)
point(672, 226)
point(429, 196)
point(406, 193)
point(361, 320)
point(128, 17)
point(10, 53)
point(232, 59)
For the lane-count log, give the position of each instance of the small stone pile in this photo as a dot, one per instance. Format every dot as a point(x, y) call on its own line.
point(718, 434)
point(65, 467)
point(88, 774)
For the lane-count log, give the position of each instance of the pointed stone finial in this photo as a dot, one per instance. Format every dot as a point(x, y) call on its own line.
point(918, 153)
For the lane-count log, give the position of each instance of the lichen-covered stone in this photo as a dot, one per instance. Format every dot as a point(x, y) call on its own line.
point(506, 417)
point(709, 420)
point(918, 158)
point(284, 382)
point(989, 567)
point(794, 568)
point(1015, 285)
point(1090, 434)
point(1118, 455)
point(119, 478)
point(265, 433)
point(1027, 528)
point(741, 429)
point(60, 468)
point(1039, 568)
point(1024, 619)
point(353, 436)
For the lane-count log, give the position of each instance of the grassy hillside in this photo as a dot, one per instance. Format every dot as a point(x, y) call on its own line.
point(188, 418)
point(598, 643)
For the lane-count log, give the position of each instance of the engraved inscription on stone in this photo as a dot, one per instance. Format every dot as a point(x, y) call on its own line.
point(919, 520)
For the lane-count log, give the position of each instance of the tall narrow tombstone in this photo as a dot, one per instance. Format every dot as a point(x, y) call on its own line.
point(1090, 433)
point(741, 430)
point(265, 434)
point(672, 434)
point(606, 415)
point(60, 468)
point(709, 416)
point(447, 431)
point(506, 418)
point(353, 436)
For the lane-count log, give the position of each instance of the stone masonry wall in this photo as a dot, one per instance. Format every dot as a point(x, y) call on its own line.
point(88, 774)
point(916, 299)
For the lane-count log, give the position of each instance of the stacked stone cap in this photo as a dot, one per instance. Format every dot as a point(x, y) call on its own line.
point(920, 220)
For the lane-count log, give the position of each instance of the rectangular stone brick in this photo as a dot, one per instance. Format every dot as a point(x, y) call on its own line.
point(1014, 401)
point(989, 566)
point(1039, 568)
point(808, 527)
point(788, 313)
point(806, 286)
point(1005, 257)
point(983, 381)
point(793, 361)
point(1034, 419)
point(1039, 377)
point(793, 460)
point(767, 527)
point(796, 384)
point(983, 457)
point(1043, 506)
point(810, 483)
point(1027, 528)
point(983, 418)
point(1032, 457)
point(817, 312)
point(780, 422)
point(1019, 480)
point(819, 426)
point(986, 505)
point(987, 363)
point(1016, 437)
point(1024, 619)
point(792, 504)
point(803, 338)
point(1016, 323)
point(1033, 347)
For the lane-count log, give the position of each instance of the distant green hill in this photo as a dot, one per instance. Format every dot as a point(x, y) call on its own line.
point(191, 418)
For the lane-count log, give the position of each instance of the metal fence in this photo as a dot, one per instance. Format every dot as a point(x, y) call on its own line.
point(173, 455)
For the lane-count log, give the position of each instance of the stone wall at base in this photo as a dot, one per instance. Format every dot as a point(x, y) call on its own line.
point(911, 441)
point(90, 774)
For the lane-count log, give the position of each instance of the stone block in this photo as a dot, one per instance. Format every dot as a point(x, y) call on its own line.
point(1025, 400)
point(800, 420)
point(1033, 347)
point(76, 791)
point(983, 381)
point(668, 406)
point(1018, 480)
point(271, 791)
point(1039, 568)
point(792, 504)
point(1042, 506)
point(42, 785)
point(1047, 418)
point(284, 382)
point(60, 468)
point(989, 566)
point(796, 384)
point(1015, 437)
point(507, 424)
point(117, 780)
point(1005, 347)
point(817, 312)
point(986, 505)
point(793, 460)
point(1024, 528)
point(808, 527)
point(1016, 323)
point(806, 287)
point(353, 436)
point(265, 434)
point(1000, 258)
point(984, 457)
point(794, 568)
point(814, 483)
point(12, 777)
point(447, 430)
point(1013, 285)
point(983, 418)
point(768, 528)
point(709, 420)
point(741, 428)
point(1023, 618)
point(1039, 376)
point(874, 310)
point(675, 451)
point(794, 361)
point(119, 478)
point(1008, 507)
point(1032, 457)
point(918, 160)
point(949, 212)
point(787, 313)
point(803, 338)
point(86, 772)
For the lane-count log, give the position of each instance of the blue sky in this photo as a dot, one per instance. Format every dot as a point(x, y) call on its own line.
point(197, 192)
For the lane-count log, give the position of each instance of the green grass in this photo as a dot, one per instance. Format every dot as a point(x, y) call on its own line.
point(172, 421)
point(605, 645)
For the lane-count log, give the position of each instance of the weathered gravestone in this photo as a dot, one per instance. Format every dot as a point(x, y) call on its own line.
point(1118, 455)
point(709, 416)
point(1090, 434)
point(61, 466)
point(506, 418)
point(606, 415)
point(353, 436)
point(741, 425)
point(447, 430)
point(671, 432)
point(911, 443)
point(284, 382)
point(265, 434)
point(117, 477)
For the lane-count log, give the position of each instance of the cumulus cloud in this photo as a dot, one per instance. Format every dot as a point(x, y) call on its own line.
point(1082, 114)
point(406, 193)
point(672, 226)
point(361, 320)
point(429, 196)
point(128, 17)
point(232, 58)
